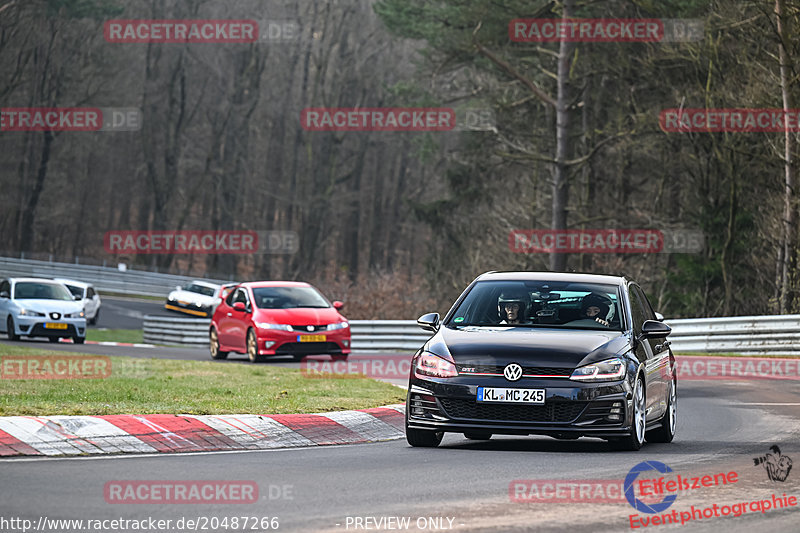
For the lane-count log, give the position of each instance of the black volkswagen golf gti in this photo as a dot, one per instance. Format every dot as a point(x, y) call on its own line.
point(564, 355)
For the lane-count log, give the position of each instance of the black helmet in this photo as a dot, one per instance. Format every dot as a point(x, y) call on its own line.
point(595, 299)
point(512, 298)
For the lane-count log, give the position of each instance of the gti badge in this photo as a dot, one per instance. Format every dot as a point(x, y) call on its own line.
point(512, 372)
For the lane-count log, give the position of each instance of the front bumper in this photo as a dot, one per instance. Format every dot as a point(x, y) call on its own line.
point(570, 409)
point(36, 326)
point(278, 342)
point(190, 309)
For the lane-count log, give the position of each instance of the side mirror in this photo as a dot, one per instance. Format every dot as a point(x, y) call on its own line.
point(178, 288)
point(429, 322)
point(4, 294)
point(659, 317)
point(239, 306)
point(654, 328)
point(338, 305)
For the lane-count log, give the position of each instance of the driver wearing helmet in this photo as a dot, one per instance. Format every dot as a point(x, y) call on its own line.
point(512, 309)
point(594, 308)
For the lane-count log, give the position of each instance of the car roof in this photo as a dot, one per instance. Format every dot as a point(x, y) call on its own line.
point(205, 284)
point(73, 282)
point(255, 284)
point(36, 280)
point(552, 276)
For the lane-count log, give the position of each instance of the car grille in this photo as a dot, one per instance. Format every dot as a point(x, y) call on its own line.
point(549, 412)
point(299, 348)
point(526, 370)
point(304, 329)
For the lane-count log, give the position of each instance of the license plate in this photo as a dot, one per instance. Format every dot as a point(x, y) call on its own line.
point(55, 325)
point(496, 394)
point(311, 338)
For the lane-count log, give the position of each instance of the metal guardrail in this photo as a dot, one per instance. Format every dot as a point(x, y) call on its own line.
point(748, 335)
point(103, 278)
point(169, 330)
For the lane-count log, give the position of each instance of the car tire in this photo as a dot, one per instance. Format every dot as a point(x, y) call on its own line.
point(422, 438)
point(478, 436)
point(665, 432)
point(53, 339)
point(213, 342)
point(96, 316)
point(11, 332)
point(635, 439)
point(252, 347)
point(78, 340)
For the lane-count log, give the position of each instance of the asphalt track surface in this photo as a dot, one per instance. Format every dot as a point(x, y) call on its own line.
point(722, 426)
point(128, 313)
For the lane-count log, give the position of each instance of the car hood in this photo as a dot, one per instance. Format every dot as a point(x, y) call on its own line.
point(532, 346)
point(193, 297)
point(299, 316)
point(50, 306)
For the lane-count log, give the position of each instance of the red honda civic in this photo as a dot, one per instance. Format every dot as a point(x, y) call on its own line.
point(262, 318)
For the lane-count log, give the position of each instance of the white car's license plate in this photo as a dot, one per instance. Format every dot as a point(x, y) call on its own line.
point(496, 394)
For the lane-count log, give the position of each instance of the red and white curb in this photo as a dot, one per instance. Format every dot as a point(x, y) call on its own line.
point(114, 434)
point(106, 343)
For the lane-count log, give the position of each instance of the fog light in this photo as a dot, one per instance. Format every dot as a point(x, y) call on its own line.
point(268, 344)
point(346, 344)
point(614, 417)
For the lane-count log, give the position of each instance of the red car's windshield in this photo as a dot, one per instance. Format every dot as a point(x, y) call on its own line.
point(288, 298)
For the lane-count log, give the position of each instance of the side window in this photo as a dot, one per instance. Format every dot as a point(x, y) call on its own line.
point(648, 309)
point(637, 310)
point(229, 298)
point(241, 296)
point(5, 286)
point(90, 292)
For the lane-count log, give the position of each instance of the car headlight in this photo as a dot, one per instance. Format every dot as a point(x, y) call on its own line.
point(28, 312)
point(266, 325)
point(75, 315)
point(608, 370)
point(431, 365)
point(171, 298)
point(338, 325)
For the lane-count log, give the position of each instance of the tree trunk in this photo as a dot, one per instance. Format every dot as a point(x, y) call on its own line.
point(558, 261)
point(789, 217)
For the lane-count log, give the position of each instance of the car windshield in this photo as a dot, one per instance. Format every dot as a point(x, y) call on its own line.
point(288, 298)
point(540, 304)
point(31, 290)
point(76, 291)
point(200, 289)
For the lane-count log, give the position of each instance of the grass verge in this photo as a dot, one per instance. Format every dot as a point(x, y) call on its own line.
point(146, 386)
point(115, 335)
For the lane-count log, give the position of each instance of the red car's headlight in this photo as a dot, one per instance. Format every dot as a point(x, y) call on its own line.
point(431, 365)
